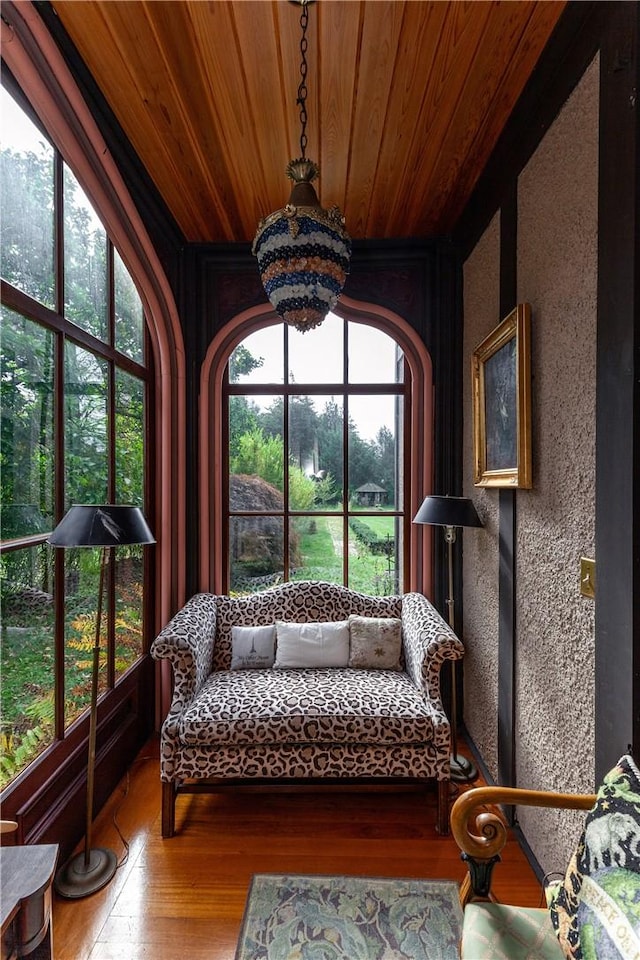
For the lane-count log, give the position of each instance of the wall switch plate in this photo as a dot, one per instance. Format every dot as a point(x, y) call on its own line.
point(588, 577)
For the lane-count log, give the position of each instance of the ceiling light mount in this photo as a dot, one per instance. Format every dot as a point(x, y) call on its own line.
point(303, 250)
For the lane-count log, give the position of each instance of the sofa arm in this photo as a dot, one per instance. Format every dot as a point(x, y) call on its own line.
point(481, 833)
point(187, 643)
point(428, 641)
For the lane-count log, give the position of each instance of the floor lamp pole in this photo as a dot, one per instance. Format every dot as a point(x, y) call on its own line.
point(462, 769)
point(104, 525)
point(93, 869)
point(93, 715)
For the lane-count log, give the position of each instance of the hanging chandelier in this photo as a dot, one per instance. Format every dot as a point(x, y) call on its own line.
point(303, 250)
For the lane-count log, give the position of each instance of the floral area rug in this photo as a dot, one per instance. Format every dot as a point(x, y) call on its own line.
point(295, 917)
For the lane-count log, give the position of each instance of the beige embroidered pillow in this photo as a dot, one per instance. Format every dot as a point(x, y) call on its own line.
point(376, 642)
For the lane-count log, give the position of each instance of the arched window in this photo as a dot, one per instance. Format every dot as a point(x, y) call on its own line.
point(76, 380)
point(315, 452)
point(315, 458)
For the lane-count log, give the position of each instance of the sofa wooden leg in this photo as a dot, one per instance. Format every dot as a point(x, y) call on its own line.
point(168, 810)
point(442, 825)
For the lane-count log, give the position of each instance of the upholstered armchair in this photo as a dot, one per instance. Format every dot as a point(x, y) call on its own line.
point(593, 914)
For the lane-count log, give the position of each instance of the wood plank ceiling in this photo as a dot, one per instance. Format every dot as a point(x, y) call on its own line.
point(406, 100)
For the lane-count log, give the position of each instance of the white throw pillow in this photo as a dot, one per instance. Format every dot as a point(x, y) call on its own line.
point(312, 644)
point(253, 648)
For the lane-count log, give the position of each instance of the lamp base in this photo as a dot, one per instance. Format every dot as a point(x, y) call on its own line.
point(462, 769)
point(76, 879)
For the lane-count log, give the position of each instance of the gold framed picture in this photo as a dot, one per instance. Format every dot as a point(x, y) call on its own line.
point(501, 393)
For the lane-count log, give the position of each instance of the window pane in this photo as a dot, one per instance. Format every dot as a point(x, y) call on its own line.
point(259, 358)
point(256, 553)
point(27, 237)
point(374, 548)
point(28, 657)
point(85, 404)
point(315, 548)
point(329, 463)
point(317, 356)
point(82, 583)
point(26, 440)
point(129, 315)
point(256, 453)
point(303, 451)
point(315, 453)
point(374, 357)
point(374, 458)
point(85, 261)
point(128, 568)
point(129, 452)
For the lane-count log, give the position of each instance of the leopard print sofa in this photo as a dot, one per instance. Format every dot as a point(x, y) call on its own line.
point(329, 723)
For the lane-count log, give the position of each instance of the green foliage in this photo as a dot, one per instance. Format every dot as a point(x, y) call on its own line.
point(260, 456)
point(302, 490)
point(26, 250)
point(244, 417)
point(327, 493)
point(242, 362)
point(85, 261)
point(263, 456)
point(17, 752)
point(367, 536)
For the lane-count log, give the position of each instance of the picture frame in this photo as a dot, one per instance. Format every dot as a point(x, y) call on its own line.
point(501, 396)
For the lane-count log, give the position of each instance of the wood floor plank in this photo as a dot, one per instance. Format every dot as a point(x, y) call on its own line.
point(192, 888)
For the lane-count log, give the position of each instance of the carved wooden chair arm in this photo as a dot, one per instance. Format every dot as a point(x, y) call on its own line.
point(481, 833)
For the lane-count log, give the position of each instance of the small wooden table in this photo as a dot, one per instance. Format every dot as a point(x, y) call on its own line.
point(25, 903)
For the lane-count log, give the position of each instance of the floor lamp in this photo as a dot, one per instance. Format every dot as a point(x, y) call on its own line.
point(106, 526)
point(451, 513)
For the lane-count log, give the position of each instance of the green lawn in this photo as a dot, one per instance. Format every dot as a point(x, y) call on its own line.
point(321, 550)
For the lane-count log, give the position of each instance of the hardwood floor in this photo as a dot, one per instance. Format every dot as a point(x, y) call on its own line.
point(185, 897)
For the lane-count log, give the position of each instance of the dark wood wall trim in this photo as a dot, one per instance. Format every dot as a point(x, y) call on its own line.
point(568, 53)
point(507, 504)
point(618, 397)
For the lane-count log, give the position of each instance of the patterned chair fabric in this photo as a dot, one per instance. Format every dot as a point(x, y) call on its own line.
point(290, 724)
point(499, 931)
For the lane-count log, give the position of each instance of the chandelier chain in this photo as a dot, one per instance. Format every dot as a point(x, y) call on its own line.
point(302, 89)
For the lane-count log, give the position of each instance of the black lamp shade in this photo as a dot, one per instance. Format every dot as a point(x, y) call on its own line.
point(448, 512)
point(104, 525)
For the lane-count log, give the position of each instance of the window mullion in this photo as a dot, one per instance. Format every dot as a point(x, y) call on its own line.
point(111, 496)
point(59, 456)
point(59, 555)
point(345, 487)
point(285, 485)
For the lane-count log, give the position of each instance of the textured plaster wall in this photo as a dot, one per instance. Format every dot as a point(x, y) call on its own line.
point(480, 547)
point(557, 274)
point(554, 655)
